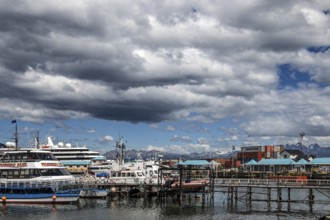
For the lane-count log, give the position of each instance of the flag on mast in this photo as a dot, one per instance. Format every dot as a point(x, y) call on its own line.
point(13, 121)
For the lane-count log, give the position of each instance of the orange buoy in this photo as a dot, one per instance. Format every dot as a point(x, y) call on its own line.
point(4, 199)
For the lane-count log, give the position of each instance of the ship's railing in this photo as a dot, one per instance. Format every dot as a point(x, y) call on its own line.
point(35, 184)
point(90, 180)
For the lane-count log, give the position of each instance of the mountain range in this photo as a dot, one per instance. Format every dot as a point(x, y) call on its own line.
point(313, 149)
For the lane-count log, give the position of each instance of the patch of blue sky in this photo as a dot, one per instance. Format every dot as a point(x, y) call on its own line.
point(327, 12)
point(319, 49)
point(291, 77)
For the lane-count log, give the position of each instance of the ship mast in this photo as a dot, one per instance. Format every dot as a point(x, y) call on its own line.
point(121, 146)
point(37, 140)
point(16, 134)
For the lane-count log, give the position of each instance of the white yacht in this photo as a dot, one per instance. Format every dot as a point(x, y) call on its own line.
point(136, 172)
point(35, 176)
point(101, 165)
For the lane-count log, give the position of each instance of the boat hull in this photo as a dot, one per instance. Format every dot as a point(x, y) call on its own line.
point(191, 185)
point(39, 198)
point(93, 193)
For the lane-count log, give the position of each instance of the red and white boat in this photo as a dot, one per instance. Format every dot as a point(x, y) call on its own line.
point(194, 184)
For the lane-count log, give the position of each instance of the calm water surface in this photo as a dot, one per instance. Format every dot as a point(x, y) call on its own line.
point(194, 208)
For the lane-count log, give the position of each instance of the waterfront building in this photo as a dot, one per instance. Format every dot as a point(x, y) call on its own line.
point(321, 165)
point(293, 154)
point(289, 166)
point(196, 164)
point(259, 152)
point(270, 165)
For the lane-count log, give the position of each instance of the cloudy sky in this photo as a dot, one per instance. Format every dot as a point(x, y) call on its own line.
point(178, 76)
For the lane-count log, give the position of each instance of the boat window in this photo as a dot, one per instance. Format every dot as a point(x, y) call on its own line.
point(18, 157)
point(4, 174)
point(18, 191)
point(11, 157)
point(33, 156)
point(5, 157)
point(133, 175)
point(24, 173)
point(46, 156)
point(44, 172)
point(34, 172)
point(9, 174)
point(56, 172)
point(16, 173)
point(139, 173)
point(49, 172)
point(65, 171)
point(25, 157)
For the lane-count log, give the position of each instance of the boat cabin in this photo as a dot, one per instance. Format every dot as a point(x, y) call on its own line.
point(26, 156)
point(30, 164)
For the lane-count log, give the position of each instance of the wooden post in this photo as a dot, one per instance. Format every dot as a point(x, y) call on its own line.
point(311, 200)
point(279, 194)
point(269, 197)
point(145, 190)
point(228, 196)
point(181, 189)
point(232, 196)
point(289, 199)
point(279, 198)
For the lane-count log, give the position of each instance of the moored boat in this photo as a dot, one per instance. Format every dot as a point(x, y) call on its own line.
point(39, 195)
point(94, 193)
point(34, 176)
point(124, 176)
point(194, 184)
point(76, 159)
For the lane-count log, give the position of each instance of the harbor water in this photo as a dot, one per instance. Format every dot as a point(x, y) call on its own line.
point(191, 207)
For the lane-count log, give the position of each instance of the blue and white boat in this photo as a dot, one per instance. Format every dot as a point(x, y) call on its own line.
point(34, 176)
point(94, 193)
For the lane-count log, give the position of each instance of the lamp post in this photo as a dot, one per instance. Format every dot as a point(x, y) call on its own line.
point(232, 156)
point(302, 134)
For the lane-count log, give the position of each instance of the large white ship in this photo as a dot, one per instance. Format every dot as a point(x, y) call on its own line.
point(75, 159)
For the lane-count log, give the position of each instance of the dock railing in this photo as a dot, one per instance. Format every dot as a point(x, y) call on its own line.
point(320, 183)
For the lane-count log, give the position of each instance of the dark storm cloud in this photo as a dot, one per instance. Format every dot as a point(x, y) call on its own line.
point(156, 61)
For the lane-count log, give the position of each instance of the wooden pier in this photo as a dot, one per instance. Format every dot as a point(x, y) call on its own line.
point(270, 191)
point(162, 188)
point(274, 191)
